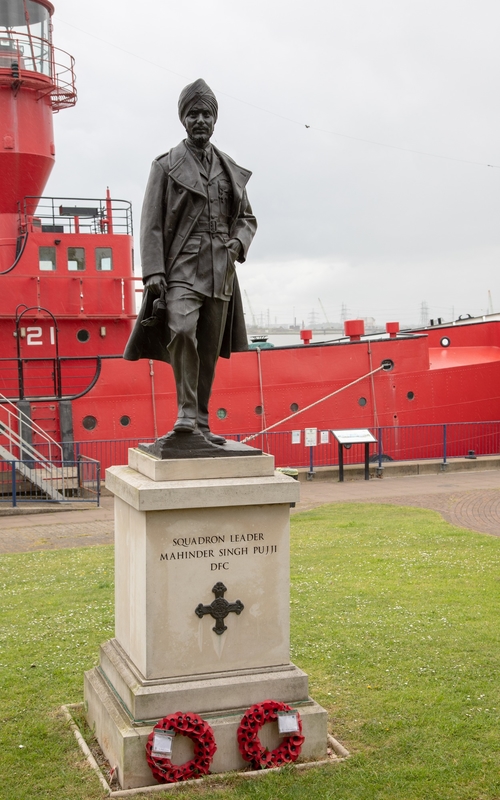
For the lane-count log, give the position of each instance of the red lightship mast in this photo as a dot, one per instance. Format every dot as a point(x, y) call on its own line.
point(36, 80)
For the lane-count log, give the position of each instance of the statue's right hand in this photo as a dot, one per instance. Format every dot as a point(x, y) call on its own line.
point(155, 283)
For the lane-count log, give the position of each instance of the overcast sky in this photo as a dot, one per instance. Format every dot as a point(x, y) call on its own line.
point(327, 102)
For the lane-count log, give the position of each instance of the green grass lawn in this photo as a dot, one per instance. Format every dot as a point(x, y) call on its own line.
point(395, 616)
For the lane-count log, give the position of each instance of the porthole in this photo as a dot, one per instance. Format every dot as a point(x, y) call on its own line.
point(89, 422)
point(362, 401)
point(83, 335)
point(387, 364)
point(124, 420)
point(258, 410)
point(410, 395)
point(445, 342)
point(221, 413)
point(294, 407)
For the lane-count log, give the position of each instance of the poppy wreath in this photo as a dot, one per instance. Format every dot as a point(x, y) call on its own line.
point(248, 737)
point(195, 728)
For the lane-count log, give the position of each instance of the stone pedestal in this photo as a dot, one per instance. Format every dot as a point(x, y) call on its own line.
point(202, 608)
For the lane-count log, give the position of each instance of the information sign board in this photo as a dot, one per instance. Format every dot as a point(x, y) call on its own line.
point(311, 437)
point(354, 436)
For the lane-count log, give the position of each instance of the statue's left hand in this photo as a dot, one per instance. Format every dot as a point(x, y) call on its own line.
point(155, 283)
point(235, 246)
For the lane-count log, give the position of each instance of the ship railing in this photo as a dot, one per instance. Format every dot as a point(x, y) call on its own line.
point(63, 93)
point(31, 481)
point(109, 452)
point(437, 442)
point(48, 475)
point(34, 62)
point(75, 215)
point(17, 430)
point(66, 377)
point(89, 478)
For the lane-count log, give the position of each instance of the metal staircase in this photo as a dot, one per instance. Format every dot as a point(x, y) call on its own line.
point(39, 470)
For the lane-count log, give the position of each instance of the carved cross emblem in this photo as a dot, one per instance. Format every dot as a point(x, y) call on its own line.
point(219, 608)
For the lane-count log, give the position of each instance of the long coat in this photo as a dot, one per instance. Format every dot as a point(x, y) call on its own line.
point(173, 203)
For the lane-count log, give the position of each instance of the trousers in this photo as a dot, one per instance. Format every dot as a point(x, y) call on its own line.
point(196, 325)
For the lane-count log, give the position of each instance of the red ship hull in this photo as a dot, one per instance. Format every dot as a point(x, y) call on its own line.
point(110, 399)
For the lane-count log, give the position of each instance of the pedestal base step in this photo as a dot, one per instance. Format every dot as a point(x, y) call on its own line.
point(124, 743)
point(146, 700)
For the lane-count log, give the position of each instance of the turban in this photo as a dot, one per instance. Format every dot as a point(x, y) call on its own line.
point(197, 92)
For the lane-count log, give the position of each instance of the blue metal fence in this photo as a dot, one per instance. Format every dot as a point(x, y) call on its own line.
point(394, 443)
point(24, 481)
point(31, 481)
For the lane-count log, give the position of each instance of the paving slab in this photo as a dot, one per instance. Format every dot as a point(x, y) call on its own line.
point(56, 529)
point(467, 499)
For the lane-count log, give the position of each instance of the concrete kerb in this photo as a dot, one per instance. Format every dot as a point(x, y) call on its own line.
point(392, 469)
point(46, 508)
point(338, 754)
point(352, 472)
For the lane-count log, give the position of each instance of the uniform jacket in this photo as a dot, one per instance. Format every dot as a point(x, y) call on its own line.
point(174, 200)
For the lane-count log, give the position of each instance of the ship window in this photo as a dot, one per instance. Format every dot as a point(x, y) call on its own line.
point(221, 413)
point(76, 259)
point(294, 407)
point(258, 410)
point(124, 420)
point(47, 258)
point(410, 395)
point(89, 422)
point(83, 335)
point(362, 401)
point(103, 259)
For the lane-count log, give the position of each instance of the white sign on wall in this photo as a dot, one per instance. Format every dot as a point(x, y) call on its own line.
point(324, 437)
point(296, 437)
point(311, 437)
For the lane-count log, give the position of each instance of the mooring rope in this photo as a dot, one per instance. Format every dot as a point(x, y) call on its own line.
point(311, 405)
point(261, 387)
point(375, 414)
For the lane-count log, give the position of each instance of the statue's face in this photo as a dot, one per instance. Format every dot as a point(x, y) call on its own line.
point(199, 124)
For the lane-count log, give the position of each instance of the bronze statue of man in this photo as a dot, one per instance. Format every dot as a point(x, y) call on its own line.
point(196, 223)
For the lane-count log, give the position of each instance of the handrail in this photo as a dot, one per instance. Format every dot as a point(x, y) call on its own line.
point(46, 65)
point(91, 382)
point(73, 481)
point(49, 208)
point(24, 237)
point(24, 447)
point(34, 427)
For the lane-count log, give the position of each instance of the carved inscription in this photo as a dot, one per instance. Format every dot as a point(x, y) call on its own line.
point(234, 545)
point(186, 555)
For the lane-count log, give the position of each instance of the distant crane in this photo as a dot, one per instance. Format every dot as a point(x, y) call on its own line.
point(490, 303)
point(254, 321)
